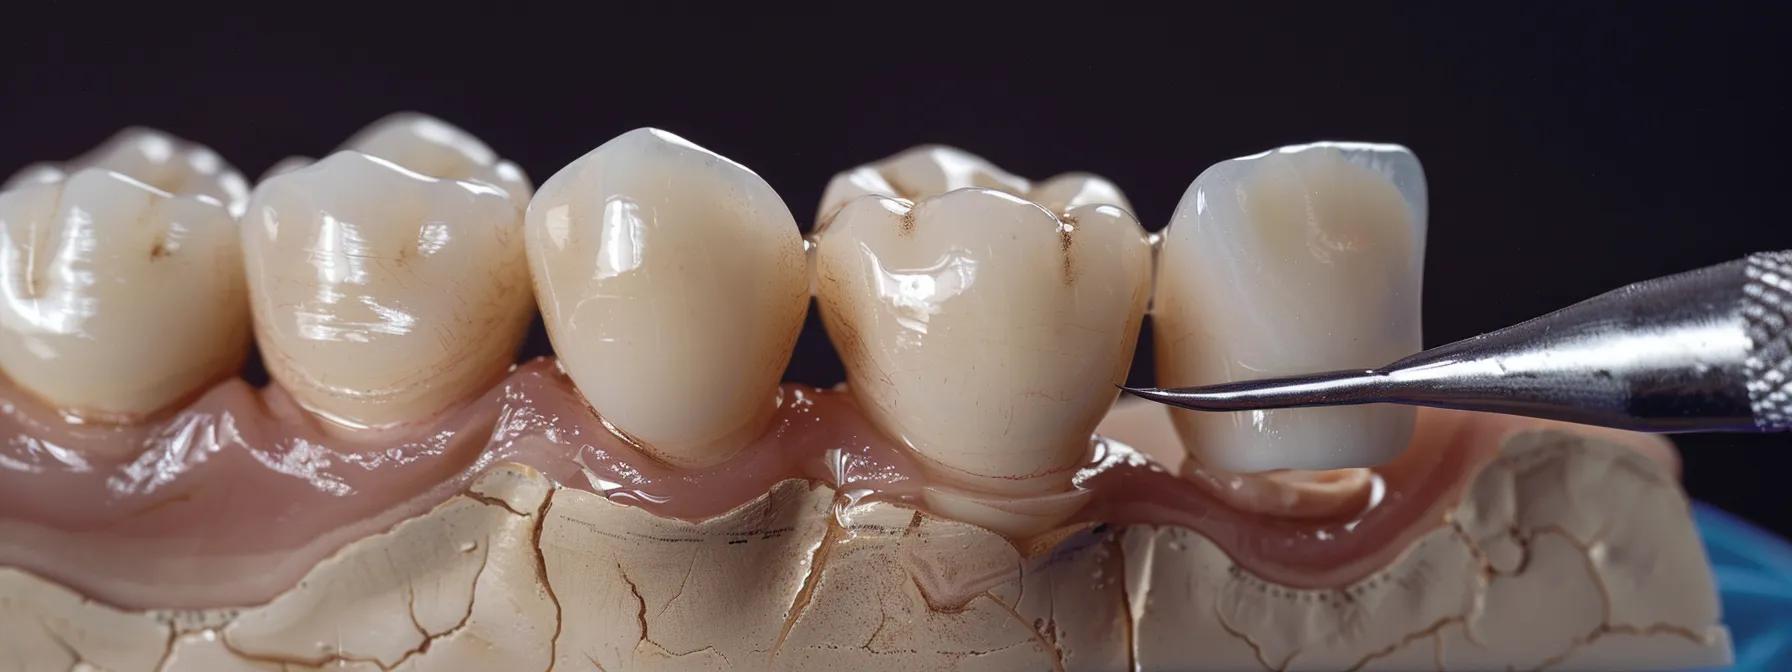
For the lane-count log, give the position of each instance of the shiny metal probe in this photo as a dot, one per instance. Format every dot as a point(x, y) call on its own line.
point(1705, 350)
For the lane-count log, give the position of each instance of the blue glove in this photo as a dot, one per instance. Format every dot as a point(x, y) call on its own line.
point(1754, 579)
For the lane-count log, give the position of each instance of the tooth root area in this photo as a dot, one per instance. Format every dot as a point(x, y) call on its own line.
point(983, 331)
point(438, 149)
point(158, 159)
point(381, 295)
point(120, 298)
point(673, 283)
point(931, 170)
point(1303, 259)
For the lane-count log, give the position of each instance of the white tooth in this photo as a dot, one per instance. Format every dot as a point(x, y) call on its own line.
point(1304, 259)
point(155, 158)
point(382, 295)
point(983, 331)
point(120, 298)
point(673, 284)
point(438, 149)
point(931, 170)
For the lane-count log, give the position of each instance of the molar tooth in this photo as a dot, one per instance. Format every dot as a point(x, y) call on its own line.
point(155, 158)
point(382, 295)
point(673, 285)
point(983, 331)
point(120, 298)
point(1307, 258)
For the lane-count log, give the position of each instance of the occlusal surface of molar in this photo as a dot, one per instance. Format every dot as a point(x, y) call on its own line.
point(154, 158)
point(673, 285)
point(383, 295)
point(983, 331)
point(120, 298)
point(431, 146)
point(439, 149)
point(931, 170)
point(1303, 259)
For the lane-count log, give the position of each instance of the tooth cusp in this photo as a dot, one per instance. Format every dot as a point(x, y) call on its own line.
point(930, 170)
point(436, 148)
point(157, 159)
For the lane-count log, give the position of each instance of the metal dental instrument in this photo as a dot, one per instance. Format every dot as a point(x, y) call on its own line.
point(1705, 350)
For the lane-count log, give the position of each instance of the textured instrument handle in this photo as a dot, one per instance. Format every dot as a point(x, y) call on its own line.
point(1767, 312)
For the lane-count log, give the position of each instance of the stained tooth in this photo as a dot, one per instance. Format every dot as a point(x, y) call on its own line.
point(1307, 258)
point(382, 295)
point(982, 330)
point(673, 284)
point(438, 149)
point(155, 158)
point(120, 298)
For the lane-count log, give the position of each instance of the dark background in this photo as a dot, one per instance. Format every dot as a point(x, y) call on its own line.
point(1569, 149)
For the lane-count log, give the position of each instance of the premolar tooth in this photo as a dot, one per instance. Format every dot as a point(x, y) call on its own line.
point(120, 298)
point(983, 331)
point(673, 285)
point(158, 159)
point(382, 295)
point(1303, 259)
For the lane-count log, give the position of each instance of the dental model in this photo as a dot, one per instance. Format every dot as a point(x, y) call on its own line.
point(404, 496)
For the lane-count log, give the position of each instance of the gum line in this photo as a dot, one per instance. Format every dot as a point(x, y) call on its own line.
point(229, 500)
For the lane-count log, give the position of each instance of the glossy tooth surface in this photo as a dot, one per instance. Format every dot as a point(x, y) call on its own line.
point(673, 285)
point(1304, 259)
point(427, 145)
point(931, 170)
point(382, 295)
point(120, 298)
point(439, 149)
point(983, 331)
point(157, 159)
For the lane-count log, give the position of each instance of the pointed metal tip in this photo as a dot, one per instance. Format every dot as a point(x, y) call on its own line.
point(1148, 393)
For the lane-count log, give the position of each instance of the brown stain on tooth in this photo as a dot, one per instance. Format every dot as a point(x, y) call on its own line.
point(1066, 240)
